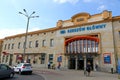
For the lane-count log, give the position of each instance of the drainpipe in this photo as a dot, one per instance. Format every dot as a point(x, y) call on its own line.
point(116, 56)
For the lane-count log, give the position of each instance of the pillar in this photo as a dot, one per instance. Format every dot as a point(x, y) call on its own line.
point(85, 64)
point(76, 62)
point(94, 63)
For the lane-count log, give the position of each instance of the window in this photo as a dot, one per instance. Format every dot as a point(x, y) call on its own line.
point(8, 46)
point(44, 43)
point(119, 34)
point(36, 43)
point(30, 44)
point(51, 42)
point(19, 45)
point(5, 47)
point(96, 45)
point(23, 44)
point(93, 46)
point(51, 58)
point(82, 46)
point(89, 45)
point(6, 58)
point(3, 58)
point(42, 58)
point(71, 48)
point(3, 67)
point(80, 19)
point(85, 45)
point(12, 46)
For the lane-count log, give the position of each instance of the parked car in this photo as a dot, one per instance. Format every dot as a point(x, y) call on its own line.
point(23, 68)
point(6, 71)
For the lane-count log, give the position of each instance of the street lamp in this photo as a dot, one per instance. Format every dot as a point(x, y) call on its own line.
point(28, 18)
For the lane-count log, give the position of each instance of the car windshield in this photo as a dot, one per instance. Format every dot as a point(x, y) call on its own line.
point(27, 64)
point(19, 65)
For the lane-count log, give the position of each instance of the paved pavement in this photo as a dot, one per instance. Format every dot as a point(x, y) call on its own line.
point(50, 74)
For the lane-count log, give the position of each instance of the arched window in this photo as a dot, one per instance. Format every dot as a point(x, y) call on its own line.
point(82, 44)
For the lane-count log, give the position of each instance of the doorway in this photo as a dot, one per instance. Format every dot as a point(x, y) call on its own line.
point(10, 61)
point(91, 61)
point(81, 64)
point(72, 63)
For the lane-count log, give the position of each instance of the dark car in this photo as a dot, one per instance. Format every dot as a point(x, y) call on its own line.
point(6, 71)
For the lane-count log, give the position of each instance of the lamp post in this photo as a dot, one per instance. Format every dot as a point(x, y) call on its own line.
point(28, 19)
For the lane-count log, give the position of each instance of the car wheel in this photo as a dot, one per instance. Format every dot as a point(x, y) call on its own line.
point(11, 75)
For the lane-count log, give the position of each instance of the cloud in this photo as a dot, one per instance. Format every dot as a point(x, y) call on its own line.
point(66, 1)
point(101, 8)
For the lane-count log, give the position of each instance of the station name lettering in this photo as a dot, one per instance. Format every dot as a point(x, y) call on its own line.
point(83, 28)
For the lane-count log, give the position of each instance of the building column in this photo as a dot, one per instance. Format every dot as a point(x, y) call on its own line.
point(94, 63)
point(76, 62)
point(85, 64)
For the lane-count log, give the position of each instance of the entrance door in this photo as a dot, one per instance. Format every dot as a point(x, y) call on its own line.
point(72, 63)
point(11, 57)
point(81, 64)
point(91, 61)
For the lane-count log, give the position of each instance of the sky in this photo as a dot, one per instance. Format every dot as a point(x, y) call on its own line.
point(49, 12)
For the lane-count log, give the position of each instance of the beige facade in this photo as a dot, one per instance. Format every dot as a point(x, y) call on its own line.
point(1, 41)
point(101, 30)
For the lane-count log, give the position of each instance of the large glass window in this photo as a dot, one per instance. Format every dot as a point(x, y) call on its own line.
point(78, 46)
point(75, 47)
point(68, 48)
point(96, 47)
point(89, 45)
point(82, 46)
point(93, 46)
point(71, 47)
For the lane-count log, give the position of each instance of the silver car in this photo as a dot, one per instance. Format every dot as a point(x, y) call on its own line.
point(6, 71)
point(23, 68)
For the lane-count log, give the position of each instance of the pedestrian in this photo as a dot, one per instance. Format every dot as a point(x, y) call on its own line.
point(48, 65)
point(59, 65)
point(96, 67)
point(88, 68)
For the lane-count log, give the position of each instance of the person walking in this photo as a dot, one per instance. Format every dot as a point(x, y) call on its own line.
point(88, 68)
point(49, 65)
point(59, 65)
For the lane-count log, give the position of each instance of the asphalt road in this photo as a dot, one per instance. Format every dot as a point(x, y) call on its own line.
point(25, 77)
